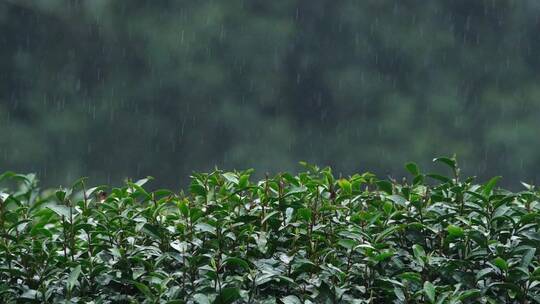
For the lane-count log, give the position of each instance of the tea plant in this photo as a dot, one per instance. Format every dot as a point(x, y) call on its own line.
point(309, 238)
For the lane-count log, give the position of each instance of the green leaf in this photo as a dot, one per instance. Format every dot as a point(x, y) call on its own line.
point(388, 231)
point(488, 187)
point(62, 211)
point(500, 263)
point(184, 209)
point(227, 296)
point(291, 300)
point(200, 298)
point(143, 181)
point(450, 162)
point(73, 277)
point(532, 235)
point(206, 228)
point(398, 199)
point(144, 289)
point(30, 294)
point(261, 241)
point(61, 195)
point(482, 273)
point(305, 214)
point(197, 189)
point(418, 179)
point(388, 207)
point(236, 262)
point(385, 186)
point(347, 243)
point(469, 294)
point(383, 256)
point(231, 177)
point(399, 294)
point(419, 254)
point(439, 177)
point(527, 258)
point(412, 168)
point(419, 251)
point(345, 186)
point(455, 231)
point(179, 246)
point(429, 291)
point(296, 190)
point(269, 215)
point(244, 181)
point(411, 276)
point(152, 231)
point(527, 186)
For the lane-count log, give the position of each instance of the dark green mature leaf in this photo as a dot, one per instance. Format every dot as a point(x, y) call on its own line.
point(296, 190)
point(500, 263)
point(197, 189)
point(62, 211)
point(387, 232)
point(206, 228)
point(398, 199)
point(236, 262)
point(383, 256)
point(385, 186)
point(305, 214)
point(527, 257)
point(399, 294)
point(61, 195)
point(73, 277)
point(439, 177)
point(144, 289)
point(231, 177)
point(291, 300)
point(469, 294)
point(488, 187)
point(201, 299)
point(412, 168)
point(152, 231)
point(482, 273)
point(346, 243)
point(411, 276)
point(429, 291)
point(227, 296)
point(447, 161)
point(419, 254)
point(184, 209)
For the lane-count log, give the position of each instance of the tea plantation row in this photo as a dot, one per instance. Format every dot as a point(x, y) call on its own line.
point(309, 238)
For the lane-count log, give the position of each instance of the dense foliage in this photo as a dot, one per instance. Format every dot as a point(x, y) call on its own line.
point(310, 238)
point(261, 84)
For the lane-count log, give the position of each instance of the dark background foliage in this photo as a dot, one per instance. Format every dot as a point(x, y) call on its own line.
point(110, 89)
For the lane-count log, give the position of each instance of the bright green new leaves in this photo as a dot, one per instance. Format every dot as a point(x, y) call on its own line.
point(455, 231)
point(345, 186)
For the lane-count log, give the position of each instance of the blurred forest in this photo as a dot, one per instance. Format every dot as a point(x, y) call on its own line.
point(110, 89)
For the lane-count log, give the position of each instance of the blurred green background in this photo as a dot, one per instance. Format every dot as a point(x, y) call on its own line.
point(113, 89)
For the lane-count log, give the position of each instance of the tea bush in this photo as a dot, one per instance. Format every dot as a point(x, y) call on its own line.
point(309, 238)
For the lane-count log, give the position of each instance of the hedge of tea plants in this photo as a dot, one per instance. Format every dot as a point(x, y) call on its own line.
point(305, 238)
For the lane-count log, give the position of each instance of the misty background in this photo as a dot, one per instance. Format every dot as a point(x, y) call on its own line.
point(114, 89)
